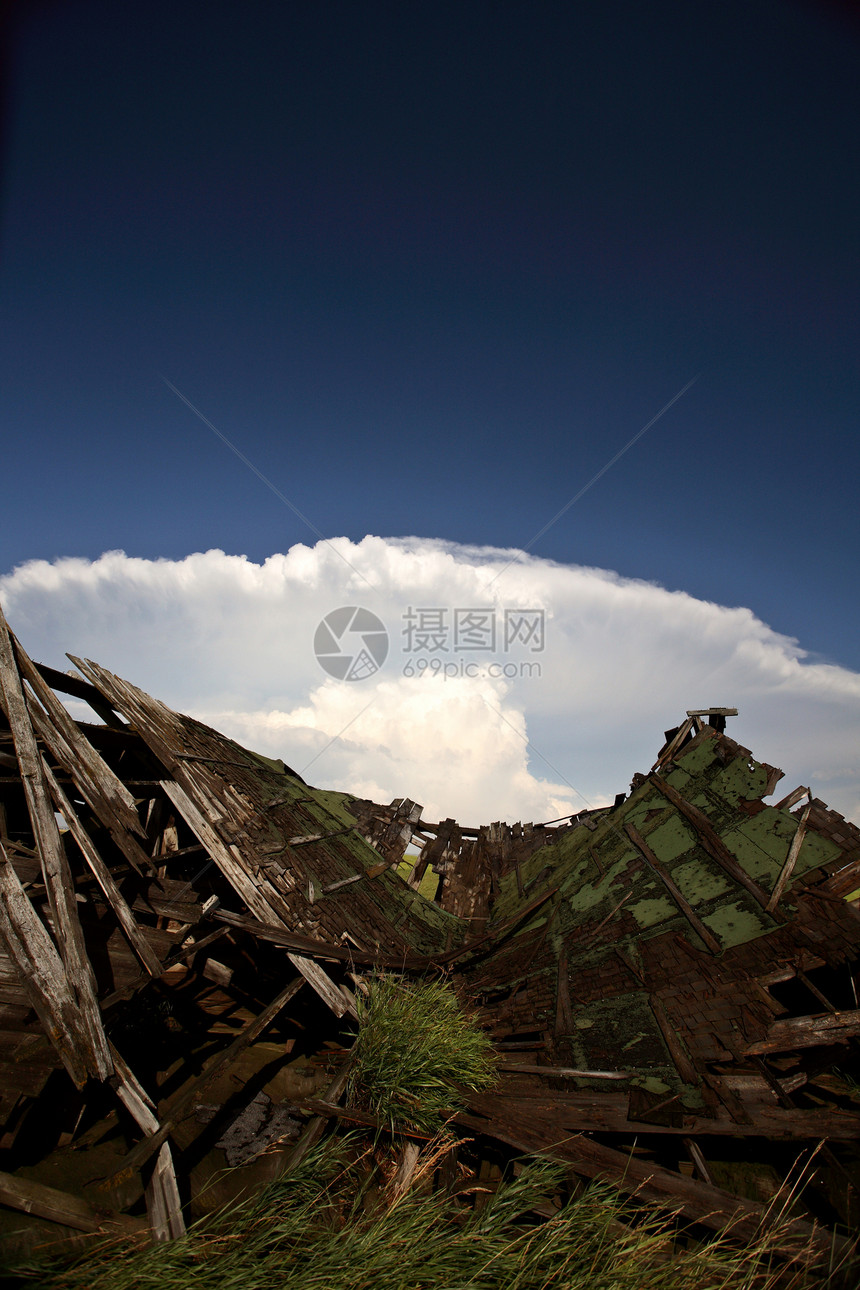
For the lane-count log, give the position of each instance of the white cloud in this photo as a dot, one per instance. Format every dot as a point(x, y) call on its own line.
point(232, 641)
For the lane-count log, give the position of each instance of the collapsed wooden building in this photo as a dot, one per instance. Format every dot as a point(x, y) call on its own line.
point(670, 982)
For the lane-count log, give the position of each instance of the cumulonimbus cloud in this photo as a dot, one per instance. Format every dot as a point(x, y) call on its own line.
point(527, 728)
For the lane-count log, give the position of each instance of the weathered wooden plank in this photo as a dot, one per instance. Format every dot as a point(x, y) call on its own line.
point(722, 1089)
point(112, 893)
point(331, 1111)
point(317, 977)
point(677, 1051)
point(55, 866)
point(563, 1010)
point(134, 1096)
point(162, 1199)
point(714, 845)
point(309, 948)
point(89, 789)
point(792, 798)
point(565, 1072)
point(80, 689)
point(41, 972)
point(125, 699)
point(807, 1032)
point(84, 763)
point(790, 860)
point(675, 743)
point(227, 858)
point(589, 1112)
point(694, 1152)
point(683, 904)
point(163, 1204)
point(59, 1206)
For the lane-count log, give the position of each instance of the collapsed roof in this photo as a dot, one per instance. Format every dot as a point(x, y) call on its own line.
point(663, 979)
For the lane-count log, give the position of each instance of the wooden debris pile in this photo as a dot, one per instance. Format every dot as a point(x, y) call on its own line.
point(670, 982)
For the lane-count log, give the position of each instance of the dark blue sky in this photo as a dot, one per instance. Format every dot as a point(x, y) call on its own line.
point(430, 265)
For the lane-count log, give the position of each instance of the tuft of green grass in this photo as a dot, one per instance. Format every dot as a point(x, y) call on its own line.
point(319, 1229)
point(414, 1045)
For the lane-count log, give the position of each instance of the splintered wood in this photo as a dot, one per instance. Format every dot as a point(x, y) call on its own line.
point(664, 978)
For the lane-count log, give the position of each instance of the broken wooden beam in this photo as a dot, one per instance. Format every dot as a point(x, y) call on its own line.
point(706, 936)
point(714, 845)
point(790, 860)
point(58, 1206)
point(807, 1032)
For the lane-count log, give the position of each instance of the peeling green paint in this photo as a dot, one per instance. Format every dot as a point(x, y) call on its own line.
point(697, 757)
point(651, 1084)
point(700, 882)
point(735, 924)
point(743, 778)
point(650, 912)
point(671, 839)
point(762, 843)
point(585, 898)
point(680, 780)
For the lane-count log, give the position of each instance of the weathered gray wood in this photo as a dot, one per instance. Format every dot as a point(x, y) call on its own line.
point(675, 743)
point(85, 765)
point(55, 866)
point(332, 995)
point(133, 1095)
point(807, 1032)
point(792, 798)
point(695, 1154)
point(41, 972)
point(163, 1204)
point(112, 893)
point(565, 1072)
point(69, 683)
point(226, 858)
point(89, 790)
point(59, 1206)
point(684, 905)
point(790, 860)
point(162, 1199)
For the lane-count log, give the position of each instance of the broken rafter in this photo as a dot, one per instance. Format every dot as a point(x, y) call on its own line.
point(103, 876)
point(790, 860)
point(714, 845)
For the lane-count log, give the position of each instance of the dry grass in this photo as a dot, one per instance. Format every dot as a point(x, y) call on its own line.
point(325, 1228)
